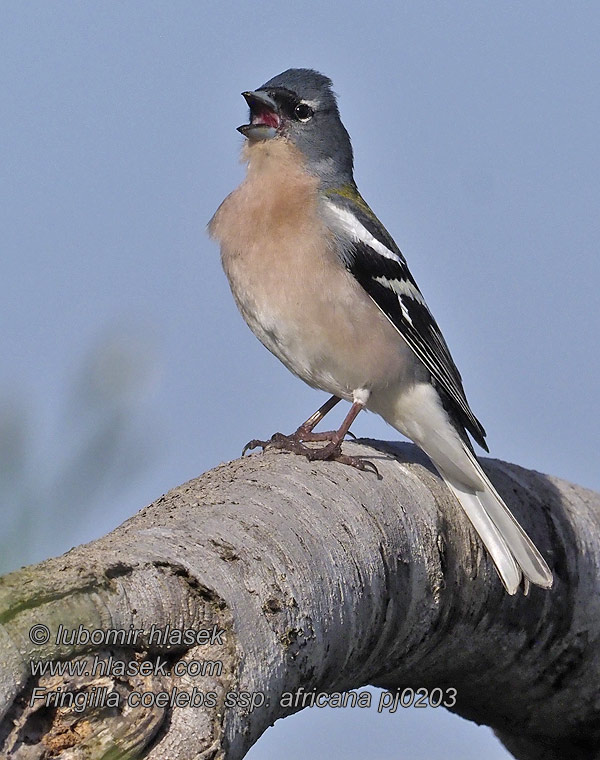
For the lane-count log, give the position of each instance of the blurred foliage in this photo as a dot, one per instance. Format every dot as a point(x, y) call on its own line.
point(53, 482)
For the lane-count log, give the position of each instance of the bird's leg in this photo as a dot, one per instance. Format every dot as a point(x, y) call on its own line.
point(333, 449)
point(304, 432)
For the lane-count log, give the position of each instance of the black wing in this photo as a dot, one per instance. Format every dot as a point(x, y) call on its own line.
point(392, 287)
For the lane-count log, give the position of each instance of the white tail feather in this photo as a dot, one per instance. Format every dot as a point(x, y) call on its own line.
point(510, 548)
point(419, 414)
point(508, 570)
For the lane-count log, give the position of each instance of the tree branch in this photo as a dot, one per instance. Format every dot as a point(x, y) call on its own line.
point(295, 576)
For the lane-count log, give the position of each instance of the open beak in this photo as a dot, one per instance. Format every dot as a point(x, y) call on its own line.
point(264, 116)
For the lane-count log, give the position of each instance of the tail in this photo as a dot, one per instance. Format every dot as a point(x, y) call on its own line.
point(512, 551)
point(418, 414)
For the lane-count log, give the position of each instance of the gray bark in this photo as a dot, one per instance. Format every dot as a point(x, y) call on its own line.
point(322, 578)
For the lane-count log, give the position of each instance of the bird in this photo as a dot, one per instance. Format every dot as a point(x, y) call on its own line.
point(322, 284)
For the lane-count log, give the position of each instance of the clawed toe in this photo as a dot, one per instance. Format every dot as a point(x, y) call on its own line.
point(277, 441)
point(361, 464)
point(331, 453)
point(254, 444)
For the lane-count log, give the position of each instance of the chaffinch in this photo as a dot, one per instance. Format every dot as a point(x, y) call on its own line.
point(324, 287)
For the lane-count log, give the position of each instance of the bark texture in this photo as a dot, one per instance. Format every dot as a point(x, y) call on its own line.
point(322, 578)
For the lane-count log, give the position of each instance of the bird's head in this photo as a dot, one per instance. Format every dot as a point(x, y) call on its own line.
point(300, 106)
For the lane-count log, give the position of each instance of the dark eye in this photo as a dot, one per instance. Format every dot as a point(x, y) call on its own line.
point(303, 112)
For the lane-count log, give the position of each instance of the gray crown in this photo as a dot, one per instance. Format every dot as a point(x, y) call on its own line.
point(323, 140)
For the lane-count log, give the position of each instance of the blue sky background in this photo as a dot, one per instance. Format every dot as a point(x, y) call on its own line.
point(475, 128)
